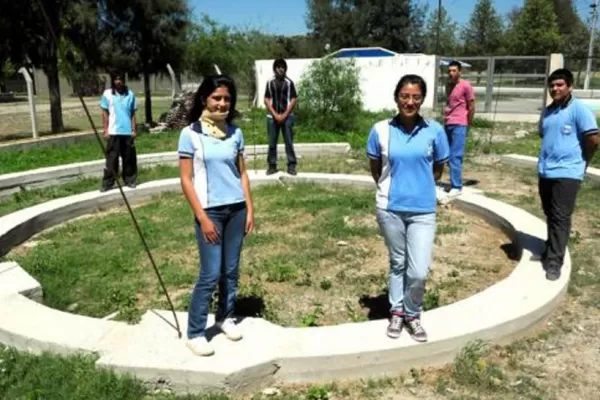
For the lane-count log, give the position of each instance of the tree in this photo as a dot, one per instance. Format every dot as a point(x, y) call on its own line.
point(32, 36)
point(153, 33)
point(536, 31)
point(484, 32)
point(331, 96)
point(361, 23)
point(416, 29)
point(567, 18)
point(448, 29)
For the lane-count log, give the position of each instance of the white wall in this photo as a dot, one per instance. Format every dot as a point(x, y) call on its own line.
point(379, 76)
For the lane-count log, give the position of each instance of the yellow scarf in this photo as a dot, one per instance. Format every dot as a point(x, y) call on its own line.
point(214, 124)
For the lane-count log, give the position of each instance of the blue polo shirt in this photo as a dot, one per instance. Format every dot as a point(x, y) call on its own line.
point(217, 180)
point(120, 108)
point(563, 130)
point(407, 182)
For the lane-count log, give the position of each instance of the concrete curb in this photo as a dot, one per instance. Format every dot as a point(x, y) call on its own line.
point(268, 353)
point(43, 177)
point(592, 174)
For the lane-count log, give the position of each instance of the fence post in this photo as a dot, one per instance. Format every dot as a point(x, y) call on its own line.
point(436, 99)
point(556, 61)
point(174, 84)
point(489, 91)
point(31, 98)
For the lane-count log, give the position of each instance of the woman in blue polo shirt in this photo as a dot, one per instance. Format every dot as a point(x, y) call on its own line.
point(407, 155)
point(215, 183)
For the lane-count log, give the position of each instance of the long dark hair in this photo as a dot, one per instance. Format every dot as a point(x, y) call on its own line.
point(206, 88)
point(115, 75)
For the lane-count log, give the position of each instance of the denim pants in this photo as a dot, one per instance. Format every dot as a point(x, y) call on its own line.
point(409, 238)
point(273, 129)
point(457, 138)
point(218, 263)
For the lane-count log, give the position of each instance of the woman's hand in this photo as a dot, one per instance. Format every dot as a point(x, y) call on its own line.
point(249, 223)
point(209, 231)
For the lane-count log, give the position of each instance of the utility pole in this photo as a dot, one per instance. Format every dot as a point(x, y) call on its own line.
point(586, 83)
point(437, 30)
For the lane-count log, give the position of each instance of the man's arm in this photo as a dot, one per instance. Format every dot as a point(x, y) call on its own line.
point(470, 97)
point(292, 103)
point(105, 124)
point(133, 126)
point(590, 145)
point(289, 109)
point(471, 113)
point(438, 171)
point(269, 100)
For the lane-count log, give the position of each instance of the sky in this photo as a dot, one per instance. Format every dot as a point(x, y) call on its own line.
point(287, 17)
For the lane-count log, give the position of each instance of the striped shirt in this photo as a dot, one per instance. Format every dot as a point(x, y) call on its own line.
point(282, 91)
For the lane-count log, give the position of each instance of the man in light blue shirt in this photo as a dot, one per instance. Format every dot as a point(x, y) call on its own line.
point(118, 119)
point(569, 134)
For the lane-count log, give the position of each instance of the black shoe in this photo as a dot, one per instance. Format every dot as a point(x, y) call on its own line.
point(272, 170)
point(292, 171)
point(394, 329)
point(106, 189)
point(552, 272)
point(415, 329)
point(131, 185)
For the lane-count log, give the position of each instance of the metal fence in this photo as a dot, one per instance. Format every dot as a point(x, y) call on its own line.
point(502, 84)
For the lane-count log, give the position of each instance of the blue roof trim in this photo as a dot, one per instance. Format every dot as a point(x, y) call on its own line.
point(363, 53)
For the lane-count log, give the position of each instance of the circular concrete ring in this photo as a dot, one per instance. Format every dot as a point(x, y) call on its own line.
point(151, 350)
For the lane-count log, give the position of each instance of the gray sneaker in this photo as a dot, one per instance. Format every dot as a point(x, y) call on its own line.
point(395, 327)
point(415, 329)
point(552, 272)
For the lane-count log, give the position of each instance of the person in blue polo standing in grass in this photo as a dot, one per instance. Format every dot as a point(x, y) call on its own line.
point(119, 128)
point(407, 155)
point(215, 183)
point(569, 133)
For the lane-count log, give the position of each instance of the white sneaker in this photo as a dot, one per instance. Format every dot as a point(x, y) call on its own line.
point(440, 195)
point(200, 346)
point(230, 329)
point(454, 192)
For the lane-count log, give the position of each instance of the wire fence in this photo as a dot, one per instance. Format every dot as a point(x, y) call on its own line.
point(502, 84)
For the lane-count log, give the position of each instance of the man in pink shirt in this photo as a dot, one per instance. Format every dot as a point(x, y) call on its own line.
point(458, 116)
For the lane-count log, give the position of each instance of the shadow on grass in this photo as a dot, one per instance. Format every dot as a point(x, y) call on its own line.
point(379, 306)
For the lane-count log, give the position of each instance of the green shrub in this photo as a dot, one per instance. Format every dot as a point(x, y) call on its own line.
point(330, 96)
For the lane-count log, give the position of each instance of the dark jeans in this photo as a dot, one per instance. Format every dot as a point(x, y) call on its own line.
point(558, 201)
point(124, 147)
point(220, 263)
point(273, 129)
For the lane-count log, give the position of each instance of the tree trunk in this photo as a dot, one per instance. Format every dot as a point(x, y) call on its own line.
point(51, 70)
point(147, 96)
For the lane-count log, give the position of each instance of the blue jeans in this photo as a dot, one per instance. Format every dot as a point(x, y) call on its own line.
point(457, 138)
point(218, 263)
point(409, 239)
point(273, 129)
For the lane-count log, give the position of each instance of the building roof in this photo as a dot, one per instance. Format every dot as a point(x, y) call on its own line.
point(362, 52)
